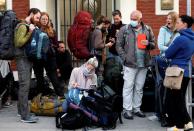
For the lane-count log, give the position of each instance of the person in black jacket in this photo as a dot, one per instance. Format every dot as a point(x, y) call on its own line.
point(64, 62)
point(112, 32)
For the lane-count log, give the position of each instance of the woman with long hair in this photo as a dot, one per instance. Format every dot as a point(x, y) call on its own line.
point(50, 63)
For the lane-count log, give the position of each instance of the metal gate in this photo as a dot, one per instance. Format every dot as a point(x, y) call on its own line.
point(65, 10)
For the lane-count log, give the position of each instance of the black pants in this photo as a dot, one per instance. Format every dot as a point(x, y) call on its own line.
point(51, 70)
point(176, 106)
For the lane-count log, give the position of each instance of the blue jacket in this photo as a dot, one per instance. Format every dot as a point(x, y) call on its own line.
point(181, 50)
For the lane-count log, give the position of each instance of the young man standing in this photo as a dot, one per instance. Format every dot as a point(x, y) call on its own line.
point(113, 31)
point(24, 66)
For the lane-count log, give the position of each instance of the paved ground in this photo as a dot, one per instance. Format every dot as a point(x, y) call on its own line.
point(10, 122)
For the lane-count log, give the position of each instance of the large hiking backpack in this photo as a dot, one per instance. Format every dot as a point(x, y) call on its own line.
point(78, 35)
point(8, 22)
point(38, 46)
point(105, 104)
point(46, 105)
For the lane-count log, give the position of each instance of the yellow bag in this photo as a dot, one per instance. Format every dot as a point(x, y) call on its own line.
point(46, 105)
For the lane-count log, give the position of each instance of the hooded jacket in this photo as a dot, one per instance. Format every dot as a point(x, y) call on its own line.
point(181, 50)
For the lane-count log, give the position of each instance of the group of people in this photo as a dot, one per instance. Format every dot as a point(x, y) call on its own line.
point(129, 44)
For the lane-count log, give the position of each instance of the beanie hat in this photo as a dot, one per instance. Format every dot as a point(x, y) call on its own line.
point(93, 61)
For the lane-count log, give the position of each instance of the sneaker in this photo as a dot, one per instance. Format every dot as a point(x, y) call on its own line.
point(7, 104)
point(128, 115)
point(188, 126)
point(30, 119)
point(31, 114)
point(172, 129)
point(140, 114)
point(153, 118)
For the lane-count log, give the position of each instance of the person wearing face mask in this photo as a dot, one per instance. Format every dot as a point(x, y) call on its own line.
point(81, 78)
point(134, 41)
point(84, 76)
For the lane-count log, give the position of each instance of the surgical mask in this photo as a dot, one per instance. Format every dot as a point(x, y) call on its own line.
point(134, 23)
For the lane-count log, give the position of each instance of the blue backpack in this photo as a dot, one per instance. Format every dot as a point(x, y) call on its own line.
point(38, 46)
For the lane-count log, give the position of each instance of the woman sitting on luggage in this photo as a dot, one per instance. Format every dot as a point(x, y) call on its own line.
point(81, 78)
point(84, 76)
point(180, 53)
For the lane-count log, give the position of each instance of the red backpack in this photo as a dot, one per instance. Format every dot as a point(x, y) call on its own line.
point(78, 35)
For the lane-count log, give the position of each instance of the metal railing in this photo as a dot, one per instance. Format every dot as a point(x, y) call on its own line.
point(71, 7)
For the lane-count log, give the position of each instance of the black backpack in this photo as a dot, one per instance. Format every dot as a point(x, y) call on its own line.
point(72, 119)
point(113, 68)
point(8, 22)
point(105, 104)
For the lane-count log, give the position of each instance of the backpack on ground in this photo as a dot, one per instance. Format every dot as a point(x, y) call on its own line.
point(46, 105)
point(8, 22)
point(112, 69)
point(105, 104)
point(78, 35)
point(38, 46)
point(72, 119)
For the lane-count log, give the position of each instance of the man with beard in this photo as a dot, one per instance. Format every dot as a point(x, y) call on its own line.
point(22, 36)
point(98, 43)
point(112, 33)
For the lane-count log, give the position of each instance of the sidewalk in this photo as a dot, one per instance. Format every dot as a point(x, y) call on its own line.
point(10, 122)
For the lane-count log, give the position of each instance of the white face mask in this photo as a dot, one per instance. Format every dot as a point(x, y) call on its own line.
point(134, 23)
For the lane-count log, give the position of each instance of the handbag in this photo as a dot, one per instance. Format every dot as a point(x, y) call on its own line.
point(173, 77)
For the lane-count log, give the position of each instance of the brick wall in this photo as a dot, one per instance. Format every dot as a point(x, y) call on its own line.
point(156, 21)
point(21, 8)
point(147, 7)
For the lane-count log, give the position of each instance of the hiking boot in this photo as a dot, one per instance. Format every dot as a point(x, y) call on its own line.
point(188, 126)
point(140, 114)
point(30, 119)
point(128, 115)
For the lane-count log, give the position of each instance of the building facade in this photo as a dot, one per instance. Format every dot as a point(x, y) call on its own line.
point(62, 12)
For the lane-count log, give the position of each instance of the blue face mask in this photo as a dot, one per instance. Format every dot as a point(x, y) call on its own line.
point(134, 23)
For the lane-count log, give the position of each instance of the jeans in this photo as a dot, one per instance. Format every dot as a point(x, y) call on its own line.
point(24, 67)
point(134, 79)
